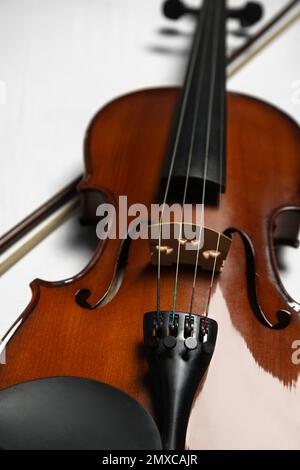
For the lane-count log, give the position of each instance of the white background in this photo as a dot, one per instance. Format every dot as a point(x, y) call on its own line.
point(60, 61)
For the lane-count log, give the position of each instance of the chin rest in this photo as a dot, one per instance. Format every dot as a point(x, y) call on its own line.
point(73, 413)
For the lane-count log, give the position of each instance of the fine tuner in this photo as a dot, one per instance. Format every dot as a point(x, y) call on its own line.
point(250, 14)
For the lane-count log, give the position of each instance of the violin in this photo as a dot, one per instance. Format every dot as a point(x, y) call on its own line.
point(195, 327)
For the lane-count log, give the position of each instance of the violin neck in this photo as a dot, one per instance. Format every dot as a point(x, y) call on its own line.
point(200, 125)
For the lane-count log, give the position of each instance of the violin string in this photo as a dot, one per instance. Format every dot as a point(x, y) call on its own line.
point(218, 240)
point(203, 197)
point(212, 280)
point(190, 155)
point(219, 235)
point(174, 152)
point(207, 146)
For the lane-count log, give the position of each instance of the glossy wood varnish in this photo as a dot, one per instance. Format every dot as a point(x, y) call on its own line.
point(251, 395)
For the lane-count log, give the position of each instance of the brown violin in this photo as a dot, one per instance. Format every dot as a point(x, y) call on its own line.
point(191, 320)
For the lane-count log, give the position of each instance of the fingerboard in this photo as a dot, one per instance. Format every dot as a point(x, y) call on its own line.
point(199, 128)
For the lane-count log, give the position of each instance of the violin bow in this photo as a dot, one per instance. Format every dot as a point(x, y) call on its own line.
point(67, 200)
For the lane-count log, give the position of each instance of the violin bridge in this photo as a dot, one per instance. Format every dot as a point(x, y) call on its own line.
point(213, 246)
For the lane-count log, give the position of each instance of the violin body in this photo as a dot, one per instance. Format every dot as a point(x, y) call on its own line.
point(251, 393)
